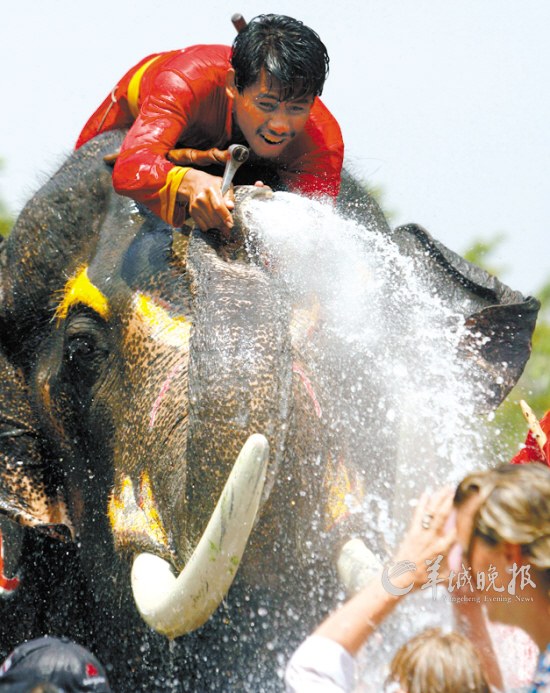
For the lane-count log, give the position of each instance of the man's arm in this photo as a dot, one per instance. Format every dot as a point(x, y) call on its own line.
point(202, 195)
point(144, 172)
point(356, 620)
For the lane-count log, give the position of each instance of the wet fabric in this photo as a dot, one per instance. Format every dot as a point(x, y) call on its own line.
point(182, 101)
point(541, 682)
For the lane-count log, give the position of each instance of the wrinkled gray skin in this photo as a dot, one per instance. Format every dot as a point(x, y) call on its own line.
point(92, 400)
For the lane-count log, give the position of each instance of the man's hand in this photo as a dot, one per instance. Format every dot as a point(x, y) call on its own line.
point(208, 208)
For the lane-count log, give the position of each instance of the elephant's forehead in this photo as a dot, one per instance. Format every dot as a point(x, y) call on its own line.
point(80, 290)
point(160, 325)
point(121, 271)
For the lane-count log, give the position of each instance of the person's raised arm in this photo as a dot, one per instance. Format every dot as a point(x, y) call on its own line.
point(427, 537)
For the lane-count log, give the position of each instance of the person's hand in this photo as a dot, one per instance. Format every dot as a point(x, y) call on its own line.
point(208, 208)
point(430, 534)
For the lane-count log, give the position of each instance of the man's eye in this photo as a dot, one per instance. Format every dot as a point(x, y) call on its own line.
point(297, 110)
point(267, 106)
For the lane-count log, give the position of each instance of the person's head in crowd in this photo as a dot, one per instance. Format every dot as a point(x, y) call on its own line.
point(49, 664)
point(503, 529)
point(32, 685)
point(436, 662)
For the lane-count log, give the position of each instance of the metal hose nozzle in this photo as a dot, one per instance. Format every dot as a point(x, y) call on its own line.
point(238, 154)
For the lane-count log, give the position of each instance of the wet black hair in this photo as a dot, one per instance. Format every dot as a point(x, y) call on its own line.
point(287, 49)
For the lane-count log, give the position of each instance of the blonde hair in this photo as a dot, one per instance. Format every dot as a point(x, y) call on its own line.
point(515, 509)
point(438, 662)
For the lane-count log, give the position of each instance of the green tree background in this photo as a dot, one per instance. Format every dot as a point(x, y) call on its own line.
point(6, 219)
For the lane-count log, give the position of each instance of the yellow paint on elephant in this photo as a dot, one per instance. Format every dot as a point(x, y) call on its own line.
point(343, 493)
point(129, 519)
point(79, 289)
point(164, 328)
point(150, 510)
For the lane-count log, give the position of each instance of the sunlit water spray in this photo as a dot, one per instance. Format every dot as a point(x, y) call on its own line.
point(403, 408)
point(379, 319)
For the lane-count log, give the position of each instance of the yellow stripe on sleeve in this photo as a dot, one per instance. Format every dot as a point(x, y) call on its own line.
point(134, 85)
point(168, 193)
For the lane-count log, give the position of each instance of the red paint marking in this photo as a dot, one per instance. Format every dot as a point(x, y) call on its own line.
point(163, 390)
point(309, 387)
point(6, 584)
point(91, 670)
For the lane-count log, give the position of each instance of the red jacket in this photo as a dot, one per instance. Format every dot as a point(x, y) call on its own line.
point(178, 99)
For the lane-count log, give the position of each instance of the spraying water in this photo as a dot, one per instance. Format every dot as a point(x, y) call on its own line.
point(402, 407)
point(374, 309)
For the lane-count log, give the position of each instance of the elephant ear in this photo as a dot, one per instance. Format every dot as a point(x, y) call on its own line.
point(30, 489)
point(499, 321)
point(356, 202)
point(54, 234)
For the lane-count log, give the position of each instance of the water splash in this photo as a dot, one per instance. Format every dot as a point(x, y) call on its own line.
point(402, 404)
point(376, 310)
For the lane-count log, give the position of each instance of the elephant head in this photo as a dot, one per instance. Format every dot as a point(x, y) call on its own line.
point(159, 401)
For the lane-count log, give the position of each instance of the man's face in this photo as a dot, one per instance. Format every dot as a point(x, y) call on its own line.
point(267, 123)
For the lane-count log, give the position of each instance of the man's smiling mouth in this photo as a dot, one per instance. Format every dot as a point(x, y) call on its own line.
point(271, 141)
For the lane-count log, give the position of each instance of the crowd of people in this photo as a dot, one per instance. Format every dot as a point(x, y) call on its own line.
point(182, 109)
point(497, 523)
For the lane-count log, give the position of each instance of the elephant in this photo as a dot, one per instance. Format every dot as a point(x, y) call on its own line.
point(161, 417)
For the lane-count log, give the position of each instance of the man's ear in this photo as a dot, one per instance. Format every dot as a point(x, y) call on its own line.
point(230, 87)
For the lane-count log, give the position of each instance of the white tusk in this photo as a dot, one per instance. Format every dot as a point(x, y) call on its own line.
point(356, 565)
point(174, 605)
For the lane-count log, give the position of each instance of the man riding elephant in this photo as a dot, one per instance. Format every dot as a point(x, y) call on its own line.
point(263, 92)
point(183, 442)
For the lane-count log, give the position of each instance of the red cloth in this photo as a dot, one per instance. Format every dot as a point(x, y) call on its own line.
point(183, 103)
point(532, 452)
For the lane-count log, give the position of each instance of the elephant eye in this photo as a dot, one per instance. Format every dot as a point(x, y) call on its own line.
point(81, 348)
point(86, 349)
